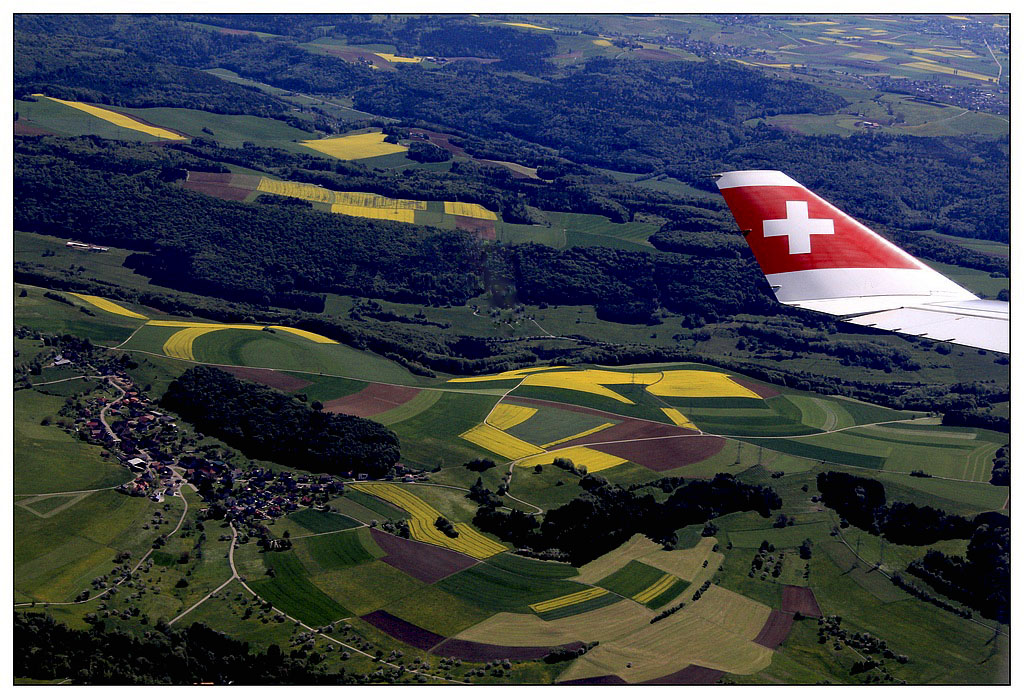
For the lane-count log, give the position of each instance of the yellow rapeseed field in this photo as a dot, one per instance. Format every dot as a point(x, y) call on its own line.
point(401, 215)
point(354, 147)
point(601, 42)
point(392, 58)
point(687, 383)
point(109, 306)
point(663, 583)
point(119, 119)
point(179, 345)
point(499, 442)
point(458, 208)
point(422, 518)
point(506, 415)
point(678, 418)
point(581, 456)
point(528, 26)
point(683, 383)
point(566, 600)
point(584, 433)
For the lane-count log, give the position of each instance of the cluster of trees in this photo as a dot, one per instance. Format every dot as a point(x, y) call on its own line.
point(45, 649)
point(606, 515)
point(862, 503)
point(981, 579)
point(797, 339)
point(1001, 466)
point(266, 424)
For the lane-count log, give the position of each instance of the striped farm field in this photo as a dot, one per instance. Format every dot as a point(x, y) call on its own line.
point(362, 204)
point(506, 415)
point(422, 518)
point(603, 624)
point(499, 590)
point(580, 456)
point(659, 589)
point(355, 147)
point(457, 208)
point(568, 600)
point(501, 443)
point(179, 345)
point(108, 306)
point(119, 119)
point(291, 591)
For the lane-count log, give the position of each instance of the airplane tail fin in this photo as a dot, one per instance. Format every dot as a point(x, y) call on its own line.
point(816, 256)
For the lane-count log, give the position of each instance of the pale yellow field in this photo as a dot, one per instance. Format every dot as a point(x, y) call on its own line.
point(364, 145)
point(506, 415)
point(119, 119)
point(945, 53)
point(888, 43)
point(601, 42)
point(867, 56)
point(108, 306)
point(499, 442)
point(685, 638)
point(663, 583)
point(392, 58)
point(566, 600)
point(403, 215)
point(947, 70)
point(581, 456)
point(732, 611)
point(584, 433)
point(678, 418)
point(422, 518)
point(809, 23)
point(458, 208)
point(528, 26)
point(605, 565)
point(613, 621)
point(685, 564)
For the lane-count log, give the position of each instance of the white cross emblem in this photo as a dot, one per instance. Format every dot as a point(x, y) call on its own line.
point(798, 227)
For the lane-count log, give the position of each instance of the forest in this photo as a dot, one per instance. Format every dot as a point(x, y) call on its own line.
point(607, 515)
point(266, 424)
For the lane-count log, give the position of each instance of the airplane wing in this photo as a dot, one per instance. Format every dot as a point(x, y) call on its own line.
point(815, 256)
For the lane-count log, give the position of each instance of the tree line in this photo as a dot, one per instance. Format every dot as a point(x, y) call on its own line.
point(267, 424)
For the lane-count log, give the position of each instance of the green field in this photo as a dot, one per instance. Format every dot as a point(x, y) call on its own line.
point(318, 522)
point(367, 587)
point(632, 578)
point(431, 437)
point(291, 591)
point(49, 459)
point(500, 590)
point(551, 424)
point(336, 551)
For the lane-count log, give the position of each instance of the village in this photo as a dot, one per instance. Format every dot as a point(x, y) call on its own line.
point(132, 429)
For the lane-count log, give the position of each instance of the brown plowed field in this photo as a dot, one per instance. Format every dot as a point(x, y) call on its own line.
point(23, 128)
point(374, 399)
point(402, 630)
point(479, 227)
point(761, 389)
point(441, 140)
point(268, 377)
point(775, 630)
point(474, 652)
point(691, 674)
point(223, 185)
point(422, 561)
point(800, 599)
